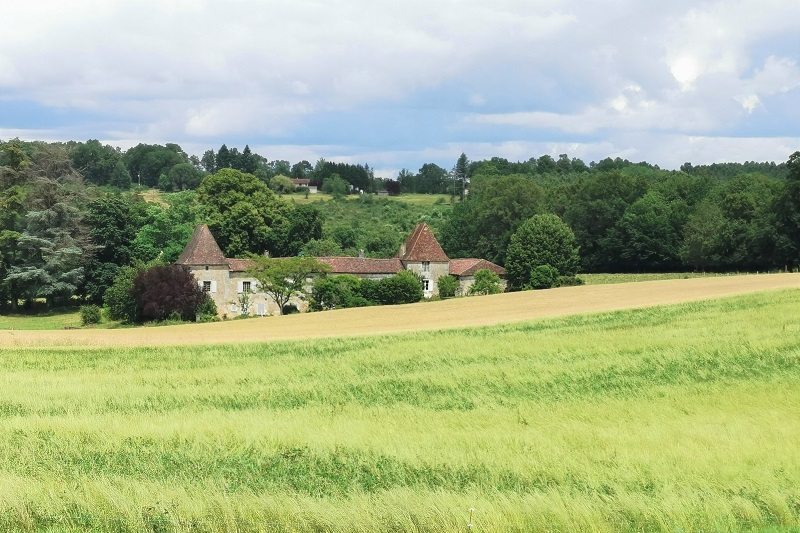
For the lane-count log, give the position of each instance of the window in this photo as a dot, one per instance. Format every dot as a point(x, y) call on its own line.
point(426, 266)
point(206, 267)
point(206, 286)
point(426, 285)
point(246, 286)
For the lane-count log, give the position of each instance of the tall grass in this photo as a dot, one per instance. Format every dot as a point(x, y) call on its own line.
point(680, 418)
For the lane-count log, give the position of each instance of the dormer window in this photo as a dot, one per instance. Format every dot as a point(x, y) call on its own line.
point(426, 266)
point(206, 267)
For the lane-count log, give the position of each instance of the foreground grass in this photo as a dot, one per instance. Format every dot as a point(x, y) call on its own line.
point(666, 419)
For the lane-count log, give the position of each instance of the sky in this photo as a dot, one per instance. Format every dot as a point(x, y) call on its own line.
point(399, 83)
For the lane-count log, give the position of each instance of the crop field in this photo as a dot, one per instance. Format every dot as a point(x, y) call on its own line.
point(453, 313)
point(670, 418)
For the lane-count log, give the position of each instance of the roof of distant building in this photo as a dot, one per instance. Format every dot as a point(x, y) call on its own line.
point(422, 245)
point(468, 267)
point(202, 249)
point(362, 265)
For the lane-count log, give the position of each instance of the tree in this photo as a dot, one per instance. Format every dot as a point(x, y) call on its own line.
point(787, 208)
point(321, 248)
point(184, 176)
point(302, 170)
point(120, 177)
point(649, 234)
point(242, 213)
point(111, 230)
point(164, 291)
point(482, 225)
point(486, 282)
point(448, 286)
point(281, 184)
point(146, 163)
point(119, 297)
point(209, 161)
point(335, 186)
point(460, 172)
point(95, 161)
point(303, 224)
point(286, 277)
point(541, 240)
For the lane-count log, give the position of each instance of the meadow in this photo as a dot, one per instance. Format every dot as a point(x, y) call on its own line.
point(671, 418)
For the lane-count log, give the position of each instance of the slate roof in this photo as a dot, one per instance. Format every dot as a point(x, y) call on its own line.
point(362, 265)
point(468, 267)
point(422, 245)
point(202, 249)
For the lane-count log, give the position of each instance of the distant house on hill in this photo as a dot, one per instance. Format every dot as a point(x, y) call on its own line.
point(225, 279)
point(302, 182)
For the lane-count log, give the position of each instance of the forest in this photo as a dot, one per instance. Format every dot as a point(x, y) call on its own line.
point(73, 214)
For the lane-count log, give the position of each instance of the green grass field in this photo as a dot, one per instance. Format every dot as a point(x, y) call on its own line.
point(681, 418)
point(602, 279)
point(57, 320)
point(414, 199)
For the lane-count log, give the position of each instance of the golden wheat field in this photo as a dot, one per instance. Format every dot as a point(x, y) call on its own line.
point(460, 312)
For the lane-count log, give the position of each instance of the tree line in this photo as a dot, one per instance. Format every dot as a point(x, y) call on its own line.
point(72, 216)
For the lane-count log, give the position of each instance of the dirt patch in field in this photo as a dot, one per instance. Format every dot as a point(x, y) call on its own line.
point(455, 313)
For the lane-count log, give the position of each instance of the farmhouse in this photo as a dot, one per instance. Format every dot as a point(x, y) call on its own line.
point(225, 279)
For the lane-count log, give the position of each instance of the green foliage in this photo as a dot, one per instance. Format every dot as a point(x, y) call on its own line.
point(321, 248)
point(335, 186)
point(281, 184)
point(206, 310)
point(403, 288)
point(448, 286)
point(98, 163)
point(285, 278)
point(337, 292)
point(183, 176)
point(147, 163)
point(119, 298)
point(90, 314)
point(486, 282)
point(541, 240)
point(241, 212)
point(482, 225)
point(543, 277)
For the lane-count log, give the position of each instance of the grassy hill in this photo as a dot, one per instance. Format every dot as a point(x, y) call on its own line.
point(676, 418)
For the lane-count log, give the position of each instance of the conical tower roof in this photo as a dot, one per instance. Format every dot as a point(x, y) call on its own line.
point(422, 245)
point(202, 249)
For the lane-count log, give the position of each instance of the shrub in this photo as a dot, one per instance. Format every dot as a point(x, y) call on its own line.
point(119, 298)
point(448, 285)
point(486, 282)
point(289, 309)
point(206, 310)
point(281, 184)
point(337, 292)
point(543, 277)
point(569, 281)
point(402, 288)
point(541, 240)
point(166, 291)
point(90, 314)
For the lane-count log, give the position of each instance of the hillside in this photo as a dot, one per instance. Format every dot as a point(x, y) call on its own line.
point(456, 313)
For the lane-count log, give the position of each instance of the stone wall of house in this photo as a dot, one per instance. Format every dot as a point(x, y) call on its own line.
point(432, 274)
point(465, 283)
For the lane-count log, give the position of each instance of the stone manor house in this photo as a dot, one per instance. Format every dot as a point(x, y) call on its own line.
point(225, 279)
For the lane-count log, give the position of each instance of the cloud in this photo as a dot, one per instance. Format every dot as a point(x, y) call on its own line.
point(391, 82)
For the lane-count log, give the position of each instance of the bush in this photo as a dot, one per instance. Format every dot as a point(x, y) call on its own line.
point(486, 282)
point(119, 298)
point(167, 291)
point(569, 281)
point(289, 309)
point(281, 184)
point(90, 314)
point(337, 292)
point(543, 277)
point(448, 285)
point(206, 310)
point(402, 288)
point(541, 240)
